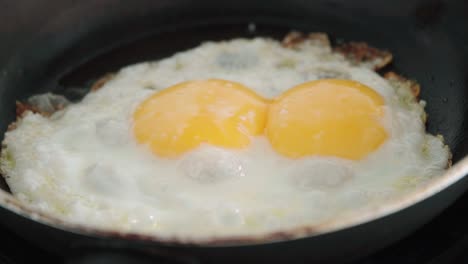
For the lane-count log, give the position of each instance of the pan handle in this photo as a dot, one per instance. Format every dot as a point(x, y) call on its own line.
point(115, 257)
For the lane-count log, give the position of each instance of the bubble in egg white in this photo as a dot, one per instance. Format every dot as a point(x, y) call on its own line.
point(237, 60)
point(136, 221)
point(104, 180)
point(228, 215)
point(211, 165)
point(320, 174)
point(112, 132)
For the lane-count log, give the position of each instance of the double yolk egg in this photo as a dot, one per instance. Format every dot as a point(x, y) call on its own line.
point(328, 117)
point(294, 141)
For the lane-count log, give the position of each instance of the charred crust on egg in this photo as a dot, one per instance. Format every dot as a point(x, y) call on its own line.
point(294, 38)
point(398, 82)
point(359, 53)
point(393, 77)
point(99, 83)
point(12, 126)
point(362, 54)
point(450, 155)
point(22, 108)
point(450, 160)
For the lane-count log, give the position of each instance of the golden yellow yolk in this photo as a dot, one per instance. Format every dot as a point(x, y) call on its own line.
point(327, 117)
point(181, 117)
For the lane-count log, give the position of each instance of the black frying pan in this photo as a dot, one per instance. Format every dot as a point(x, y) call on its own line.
point(56, 44)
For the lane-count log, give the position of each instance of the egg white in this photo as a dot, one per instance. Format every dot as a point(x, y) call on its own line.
point(83, 164)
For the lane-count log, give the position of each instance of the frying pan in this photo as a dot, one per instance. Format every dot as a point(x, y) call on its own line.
point(52, 45)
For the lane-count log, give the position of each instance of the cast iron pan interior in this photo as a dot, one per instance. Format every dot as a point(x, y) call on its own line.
point(62, 47)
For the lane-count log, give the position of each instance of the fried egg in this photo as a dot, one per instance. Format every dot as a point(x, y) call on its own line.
point(235, 137)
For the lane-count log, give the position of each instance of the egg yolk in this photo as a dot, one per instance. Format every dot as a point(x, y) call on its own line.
point(181, 117)
point(327, 117)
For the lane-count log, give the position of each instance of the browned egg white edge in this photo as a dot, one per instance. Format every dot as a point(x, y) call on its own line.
point(357, 53)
